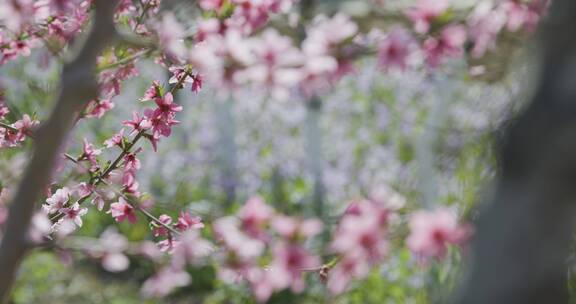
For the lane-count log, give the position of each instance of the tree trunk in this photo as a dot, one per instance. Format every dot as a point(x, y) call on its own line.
point(523, 238)
point(78, 86)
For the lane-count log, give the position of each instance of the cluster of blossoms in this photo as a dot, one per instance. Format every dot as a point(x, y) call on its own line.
point(270, 251)
point(30, 24)
point(12, 135)
point(231, 57)
point(248, 15)
point(448, 40)
point(256, 231)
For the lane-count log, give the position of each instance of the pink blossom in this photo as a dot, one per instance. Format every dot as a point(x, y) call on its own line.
point(57, 201)
point(197, 82)
point(249, 15)
point(277, 65)
point(162, 118)
point(222, 58)
point(89, 153)
point(160, 230)
point(521, 15)
point(164, 282)
point(261, 286)
point(432, 231)
point(113, 246)
point(115, 262)
point(190, 249)
point(166, 106)
point(150, 250)
point(98, 201)
point(25, 126)
point(485, 23)
point(180, 74)
point(20, 47)
point(171, 34)
point(344, 272)
point(394, 50)
point(121, 210)
point(425, 12)
point(84, 189)
point(167, 245)
point(130, 184)
point(227, 231)
point(74, 213)
point(138, 124)
point(321, 37)
point(100, 108)
point(207, 27)
point(294, 229)
point(209, 5)
point(115, 140)
point(152, 92)
point(187, 221)
point(153, 138)
point(110, 80)
point(254, 217)
point(361, 237)
point(286, 268)
point(386, 197)
point(39, 227)
point(361, 242)
point(449, 44)
point(322, 61)
point(131, 162)
point(3, 108)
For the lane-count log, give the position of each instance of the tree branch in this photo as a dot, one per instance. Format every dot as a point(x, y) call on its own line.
point(78, 86)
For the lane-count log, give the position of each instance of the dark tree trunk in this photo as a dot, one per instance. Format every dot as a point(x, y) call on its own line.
point(522, 244)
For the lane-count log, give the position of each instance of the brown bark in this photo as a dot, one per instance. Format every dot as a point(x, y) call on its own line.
point(78, 86)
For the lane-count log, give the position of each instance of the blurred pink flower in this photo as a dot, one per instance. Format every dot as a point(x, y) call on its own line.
point(208, 5)
point(424, 13)
point(254, 217)
point(99, 108)
point(432, 231)
point(190, 249)
point(165, 281)
point(171, 34)
point(3, 108)
point(113, 246)
point(294, 229)
point(289, 261)
point(449, 44)
point(227, 230)
point(344, 272)
point(394, 50)
point(84, 189)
